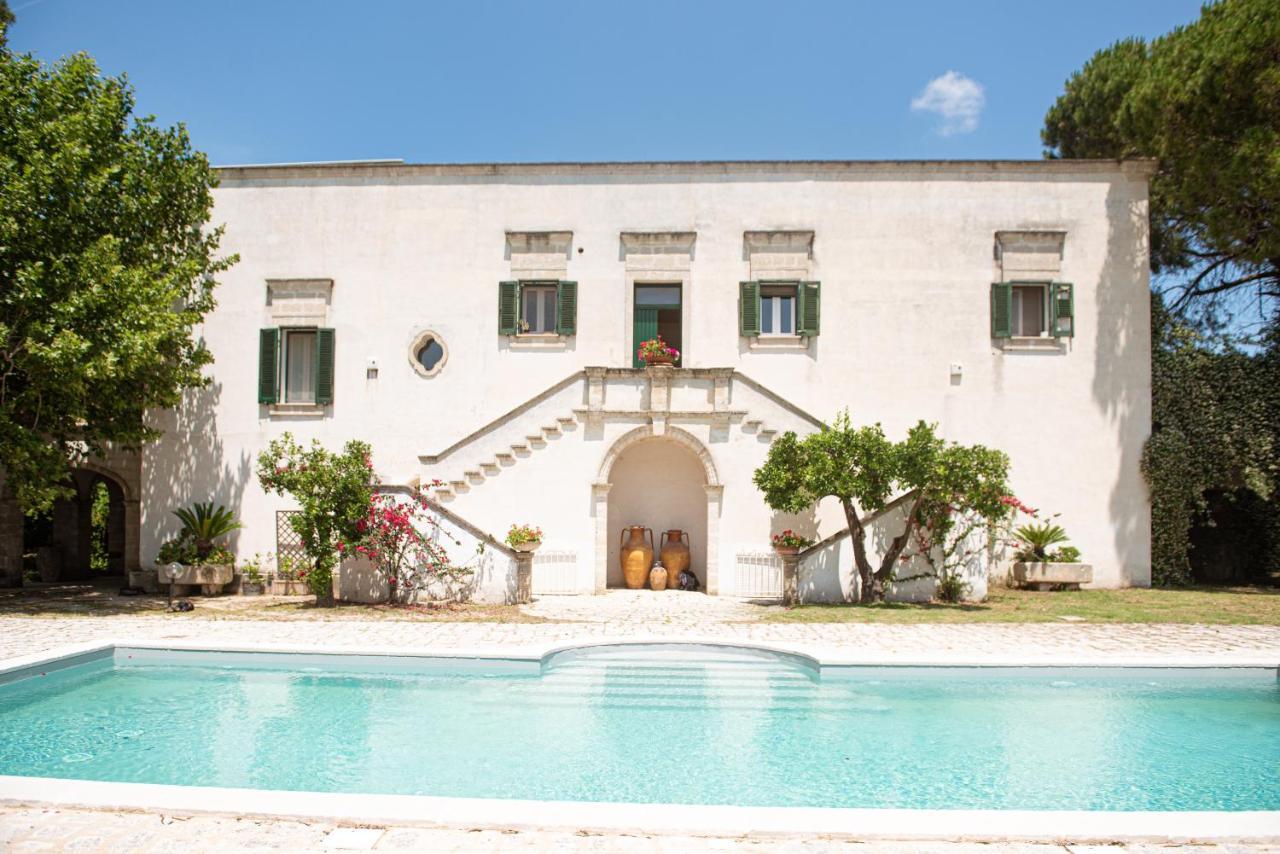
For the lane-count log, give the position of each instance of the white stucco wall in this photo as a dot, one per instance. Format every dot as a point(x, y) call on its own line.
point(905, 256)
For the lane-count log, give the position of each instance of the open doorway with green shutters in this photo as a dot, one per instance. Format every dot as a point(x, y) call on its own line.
point(657, 314)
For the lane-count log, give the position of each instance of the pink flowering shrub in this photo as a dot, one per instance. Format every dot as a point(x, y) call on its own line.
point(402, 538)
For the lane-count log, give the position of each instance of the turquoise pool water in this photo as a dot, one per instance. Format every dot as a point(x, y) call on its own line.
point(694, 725)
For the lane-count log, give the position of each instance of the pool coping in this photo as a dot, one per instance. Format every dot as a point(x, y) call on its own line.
point(708, 820)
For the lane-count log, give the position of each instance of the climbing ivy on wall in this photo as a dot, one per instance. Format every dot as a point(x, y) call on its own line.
point(1215, 423)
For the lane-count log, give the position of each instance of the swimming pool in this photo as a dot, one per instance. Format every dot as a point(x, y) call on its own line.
point(657, 724)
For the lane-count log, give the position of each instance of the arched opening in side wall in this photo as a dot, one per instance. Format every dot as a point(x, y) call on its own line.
point(658, 483)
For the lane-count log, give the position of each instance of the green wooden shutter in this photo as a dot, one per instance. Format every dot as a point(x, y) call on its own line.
point(808, 308)
point(508, 308)
point(749, 309)
point(566, 307)
point(645, 327)
point(1001, 310)
point(1062, 310)
point(324, 366)
point(268, 365)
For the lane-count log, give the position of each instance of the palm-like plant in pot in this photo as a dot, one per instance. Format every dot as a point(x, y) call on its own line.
point(1037, 566)
point(202, 523)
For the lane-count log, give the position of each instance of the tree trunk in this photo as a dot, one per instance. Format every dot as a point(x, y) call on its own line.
point(858, 536)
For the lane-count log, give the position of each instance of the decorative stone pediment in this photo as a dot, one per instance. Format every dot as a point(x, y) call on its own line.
point(658, 242)
point(1029, 254)
point(539, 242)
point(299, 302)
point(778, 254)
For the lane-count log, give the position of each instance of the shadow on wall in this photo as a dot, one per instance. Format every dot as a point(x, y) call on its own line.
point(187, 465)
point(1122, 386)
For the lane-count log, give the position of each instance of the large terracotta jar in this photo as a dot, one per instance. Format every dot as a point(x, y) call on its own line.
point(675, 556)
point(636, 556)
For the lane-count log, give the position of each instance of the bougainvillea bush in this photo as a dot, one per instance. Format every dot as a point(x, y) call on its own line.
point(402, 538)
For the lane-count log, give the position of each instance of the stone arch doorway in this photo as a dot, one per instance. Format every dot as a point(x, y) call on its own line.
point(93, 533)
point(661, 481)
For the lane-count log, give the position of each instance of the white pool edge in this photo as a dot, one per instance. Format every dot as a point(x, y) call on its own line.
point(1078, 826)
point(643, 818)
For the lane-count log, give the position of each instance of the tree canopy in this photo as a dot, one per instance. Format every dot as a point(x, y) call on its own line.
point(864, 470)
point(1204, 100)
point(106, 265)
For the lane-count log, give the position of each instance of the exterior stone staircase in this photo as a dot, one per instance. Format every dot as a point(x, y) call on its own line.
point(501, 456)
point(489, 468)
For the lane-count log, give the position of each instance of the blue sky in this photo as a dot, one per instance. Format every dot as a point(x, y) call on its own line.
point(285, 80)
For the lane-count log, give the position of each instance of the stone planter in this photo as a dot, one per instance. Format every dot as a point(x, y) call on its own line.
point(211, 578)
point(787, 551)
point(1042, 576)
point(146, 579)
point(250, 588)
point(529, 547)
point(289, 587)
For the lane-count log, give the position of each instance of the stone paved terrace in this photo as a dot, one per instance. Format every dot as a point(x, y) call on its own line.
point(1031, 643)
point(27, 829)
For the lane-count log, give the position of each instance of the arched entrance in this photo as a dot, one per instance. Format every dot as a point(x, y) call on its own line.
point(661, 481)
point(91, 534)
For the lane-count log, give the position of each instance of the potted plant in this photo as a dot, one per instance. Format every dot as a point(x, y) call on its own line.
point(252, 582)
point(790, 543)
point(203, 561)
point(655, 351)
point(524, 538)
point(1038, 567)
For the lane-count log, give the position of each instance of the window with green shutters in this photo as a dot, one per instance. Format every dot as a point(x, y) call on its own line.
point(1062, 310)
point(538, 307)
point(296, 366)
point(1034, 309)
point(782, 308)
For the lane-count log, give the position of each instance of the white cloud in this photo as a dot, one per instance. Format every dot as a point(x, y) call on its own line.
point(957, 99)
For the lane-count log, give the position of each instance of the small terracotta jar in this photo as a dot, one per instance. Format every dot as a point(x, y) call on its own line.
point(658, 577)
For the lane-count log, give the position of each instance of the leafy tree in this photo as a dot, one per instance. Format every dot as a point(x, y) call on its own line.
point(1217, 419)
point(863, 470)
point(105, 267)
point(334, 493)
point(1204, 100)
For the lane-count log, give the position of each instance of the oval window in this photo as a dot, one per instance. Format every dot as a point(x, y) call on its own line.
point(430, 353)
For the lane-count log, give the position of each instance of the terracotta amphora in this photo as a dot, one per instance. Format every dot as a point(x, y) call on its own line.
point(658, 577)
point(636, 556)
point(675, 555)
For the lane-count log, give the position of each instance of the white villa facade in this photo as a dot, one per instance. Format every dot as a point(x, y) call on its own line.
point(477, 324)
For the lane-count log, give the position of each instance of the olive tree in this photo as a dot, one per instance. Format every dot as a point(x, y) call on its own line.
point(864, 470)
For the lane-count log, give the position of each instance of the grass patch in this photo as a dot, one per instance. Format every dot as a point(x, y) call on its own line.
point(1206, 605)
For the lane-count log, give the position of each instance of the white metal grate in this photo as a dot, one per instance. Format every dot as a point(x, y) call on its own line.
point(758, 575)
point(555, 572)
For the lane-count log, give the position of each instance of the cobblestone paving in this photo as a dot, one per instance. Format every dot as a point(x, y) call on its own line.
point(26, 829)
point(1028, 642)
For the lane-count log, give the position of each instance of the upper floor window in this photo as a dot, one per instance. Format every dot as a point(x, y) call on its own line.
point(791, 309)
point(778, 310)
point(299, 366)
point(1032, 310)
point(538, 308)
point(295, 365)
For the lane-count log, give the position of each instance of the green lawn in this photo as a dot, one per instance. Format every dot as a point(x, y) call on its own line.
point(1215, 605)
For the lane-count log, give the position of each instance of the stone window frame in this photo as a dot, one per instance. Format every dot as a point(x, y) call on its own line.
point(1050, 245)
point(297, 304)
point(538, 257)
point(776, 257)
point(658, 258)
point(416, 342)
